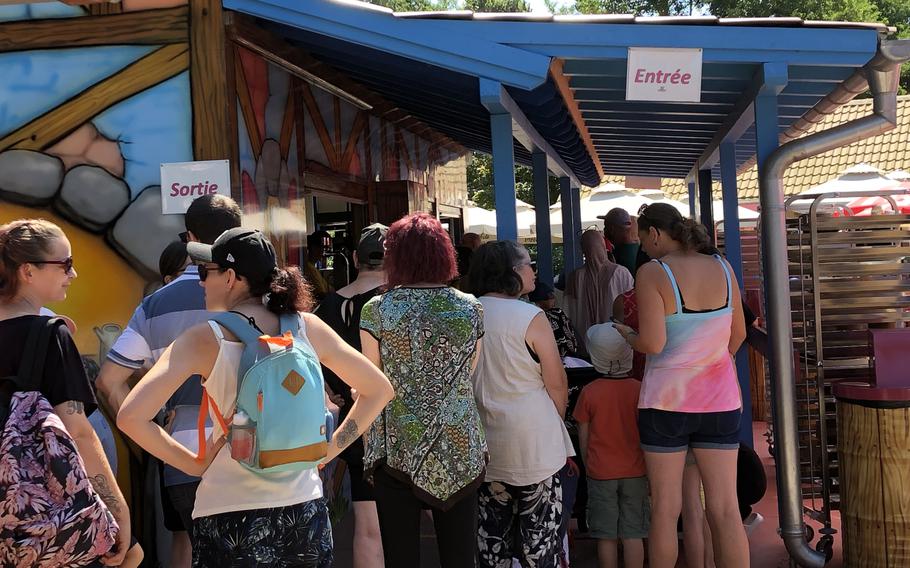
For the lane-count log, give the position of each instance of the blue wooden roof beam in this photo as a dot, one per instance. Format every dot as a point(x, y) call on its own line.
point(414, 39)
point(497, 100)
point(432, 68)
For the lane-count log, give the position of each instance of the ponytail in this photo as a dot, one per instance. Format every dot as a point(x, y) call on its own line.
point(286, 290)
point(691, 234)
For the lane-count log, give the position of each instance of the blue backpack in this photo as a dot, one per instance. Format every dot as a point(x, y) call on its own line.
point(280, 422)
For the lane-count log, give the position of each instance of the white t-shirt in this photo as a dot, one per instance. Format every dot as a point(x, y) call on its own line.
point(226, 485)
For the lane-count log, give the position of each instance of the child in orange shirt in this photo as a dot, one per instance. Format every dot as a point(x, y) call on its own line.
point(607, 415)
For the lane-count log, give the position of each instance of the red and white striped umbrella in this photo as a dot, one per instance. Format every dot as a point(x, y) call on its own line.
point(875, 205)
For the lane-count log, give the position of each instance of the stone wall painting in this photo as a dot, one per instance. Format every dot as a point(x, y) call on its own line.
point(83, 131)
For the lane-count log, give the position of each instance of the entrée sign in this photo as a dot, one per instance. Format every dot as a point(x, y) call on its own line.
point(663, 74)
point(182, 182)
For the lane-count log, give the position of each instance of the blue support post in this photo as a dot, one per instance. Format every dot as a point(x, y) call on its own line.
point(734, 253)
point(542, 210)
point(732, 246)
point(693, 199)
point(705, 201)
point(576, 220)
point(767, 139)
point(504, 177)
point(570, 244)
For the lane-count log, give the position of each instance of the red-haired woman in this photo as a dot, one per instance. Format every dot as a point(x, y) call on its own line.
point(426, 450)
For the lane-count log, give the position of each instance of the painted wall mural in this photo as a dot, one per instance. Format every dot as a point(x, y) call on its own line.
point(83, 131)
point(296, 139)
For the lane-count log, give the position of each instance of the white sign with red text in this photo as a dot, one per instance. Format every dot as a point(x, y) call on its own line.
point(182, 182)
point(664, 74)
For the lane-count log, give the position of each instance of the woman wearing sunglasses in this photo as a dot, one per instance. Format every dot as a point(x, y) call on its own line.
point(242, 518)
point(36, 268)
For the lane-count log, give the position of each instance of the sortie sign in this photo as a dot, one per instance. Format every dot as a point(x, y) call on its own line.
point(182, 182)
point(663, 74)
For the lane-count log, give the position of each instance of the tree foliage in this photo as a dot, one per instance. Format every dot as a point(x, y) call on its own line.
point(480, 183)
point(474, 5)
point(638, 7)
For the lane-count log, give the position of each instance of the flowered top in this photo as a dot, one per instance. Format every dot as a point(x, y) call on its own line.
point(430, 435)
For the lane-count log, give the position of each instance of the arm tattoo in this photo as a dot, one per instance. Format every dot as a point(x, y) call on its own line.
point(75, 407)
point(103, 489)
point(347, 434)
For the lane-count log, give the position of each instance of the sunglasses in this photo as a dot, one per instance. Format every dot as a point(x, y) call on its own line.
point(204, 270)
point(66, 263)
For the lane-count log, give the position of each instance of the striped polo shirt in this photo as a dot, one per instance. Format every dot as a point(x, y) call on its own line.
point(157, 322)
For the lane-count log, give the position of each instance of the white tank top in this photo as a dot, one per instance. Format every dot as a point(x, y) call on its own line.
point(526, 438)
point(226, 485)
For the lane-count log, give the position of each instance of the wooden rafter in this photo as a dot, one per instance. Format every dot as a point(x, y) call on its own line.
point(287, 125)
point(105, 8)
point(246, 106)
point(208, 83)
point(568, 96)
point(233, 119)
point(49, 128)
point(336, 124)
point(151, 27)
point(357, 129)
point(245, 32)
point(331, 153)
point(404, 151)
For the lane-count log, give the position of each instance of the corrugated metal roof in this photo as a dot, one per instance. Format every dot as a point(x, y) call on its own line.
point(567, 75)
point(888, 152)
point(789, 22)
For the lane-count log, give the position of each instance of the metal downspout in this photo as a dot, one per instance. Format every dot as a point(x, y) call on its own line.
point(882, 74)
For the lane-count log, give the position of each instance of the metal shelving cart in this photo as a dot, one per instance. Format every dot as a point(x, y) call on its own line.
point(848, 274)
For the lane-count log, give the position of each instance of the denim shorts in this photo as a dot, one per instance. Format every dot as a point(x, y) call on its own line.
point(663, 431)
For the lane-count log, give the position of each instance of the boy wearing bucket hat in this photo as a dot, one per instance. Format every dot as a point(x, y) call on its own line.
point(607, 415)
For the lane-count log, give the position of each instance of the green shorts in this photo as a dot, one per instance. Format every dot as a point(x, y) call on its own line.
point(619, 508)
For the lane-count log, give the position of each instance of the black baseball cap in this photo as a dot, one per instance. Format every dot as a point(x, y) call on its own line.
point(245, 250)
point(371, 248)
point(617, 216)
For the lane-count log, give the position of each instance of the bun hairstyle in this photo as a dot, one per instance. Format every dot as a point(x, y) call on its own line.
point(287, 291)
point(20, 242)
point(691, 234)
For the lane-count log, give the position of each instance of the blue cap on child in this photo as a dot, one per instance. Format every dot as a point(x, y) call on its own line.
point(610, 353)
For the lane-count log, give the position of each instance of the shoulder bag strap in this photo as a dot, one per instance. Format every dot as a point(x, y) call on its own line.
point(31, 367)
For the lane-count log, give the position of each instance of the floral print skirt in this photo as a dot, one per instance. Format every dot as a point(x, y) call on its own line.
point(520, 522)
point(297, 535)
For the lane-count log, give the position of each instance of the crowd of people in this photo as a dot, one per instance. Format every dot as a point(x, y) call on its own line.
point(447, 367)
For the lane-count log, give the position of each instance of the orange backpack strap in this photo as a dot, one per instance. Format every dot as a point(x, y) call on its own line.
point(200, 425)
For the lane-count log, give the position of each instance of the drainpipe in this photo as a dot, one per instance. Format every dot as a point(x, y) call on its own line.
point(882, 74)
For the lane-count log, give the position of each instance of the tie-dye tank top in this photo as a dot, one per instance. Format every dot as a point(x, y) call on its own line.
point(694, 372)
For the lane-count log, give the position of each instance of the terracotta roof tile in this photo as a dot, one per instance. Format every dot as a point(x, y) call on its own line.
point(888, 152)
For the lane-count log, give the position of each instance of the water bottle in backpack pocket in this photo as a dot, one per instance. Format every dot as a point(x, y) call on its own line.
point(280, 422)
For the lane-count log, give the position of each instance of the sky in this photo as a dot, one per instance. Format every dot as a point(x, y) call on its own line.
point(539, 6)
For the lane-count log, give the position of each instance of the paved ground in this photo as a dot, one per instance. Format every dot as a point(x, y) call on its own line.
point(767, 550)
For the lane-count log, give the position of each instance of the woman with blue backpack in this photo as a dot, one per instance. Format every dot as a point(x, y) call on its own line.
point(260, 499)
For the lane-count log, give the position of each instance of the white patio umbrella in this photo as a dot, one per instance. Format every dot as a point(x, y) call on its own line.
point(855, 179)
point(599, 202)
point(744, 214)
point(483, 221)
point(660, 197)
